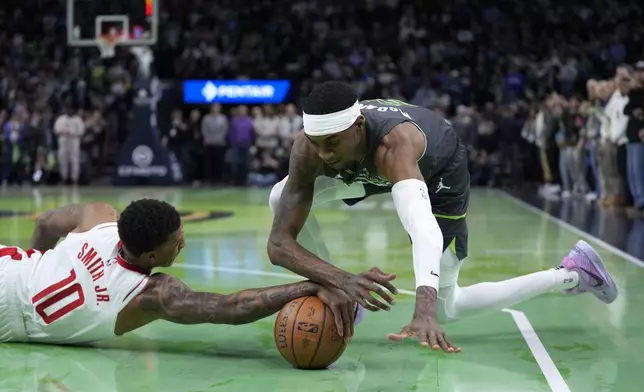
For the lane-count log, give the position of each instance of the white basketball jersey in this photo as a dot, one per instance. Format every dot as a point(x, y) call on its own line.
point(74, 292)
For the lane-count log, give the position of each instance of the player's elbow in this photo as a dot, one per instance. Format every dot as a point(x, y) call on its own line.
point(276, 249)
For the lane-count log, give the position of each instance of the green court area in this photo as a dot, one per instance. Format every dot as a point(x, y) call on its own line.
point(549, 343)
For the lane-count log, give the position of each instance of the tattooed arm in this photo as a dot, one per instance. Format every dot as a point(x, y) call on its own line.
point(292, 211)
point(55, 224)
point(168, 298)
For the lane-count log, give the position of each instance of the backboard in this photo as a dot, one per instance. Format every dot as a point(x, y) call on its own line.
point(136, 21)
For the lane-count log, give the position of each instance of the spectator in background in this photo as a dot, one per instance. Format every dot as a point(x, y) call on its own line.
point(574, 123)
point(93, 143)
point(617, 128)
point(214, 131)
point(465, 125)
point(591, 114)
point(484, 157)
point(35, 151)
point(550, 187)
point(240, 139)
point(635, 135)
point(178, 142)
point(266, 127)
point(509, 133)
point(264, 170)
point(290, 125)
point(610, 180)
point(194, 172)
point(14, 139)
point(69, 128)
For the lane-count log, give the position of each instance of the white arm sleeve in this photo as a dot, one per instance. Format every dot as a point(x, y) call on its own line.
point(411, 199)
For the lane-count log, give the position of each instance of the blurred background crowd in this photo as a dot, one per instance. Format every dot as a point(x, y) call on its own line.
point(543, 92)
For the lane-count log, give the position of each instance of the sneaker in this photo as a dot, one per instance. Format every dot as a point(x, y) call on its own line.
point(593, 276)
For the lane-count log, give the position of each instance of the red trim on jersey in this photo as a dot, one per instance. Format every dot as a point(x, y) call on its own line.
point(12, 252)
point(130, 267)
point(135, 287)
point(55, 287)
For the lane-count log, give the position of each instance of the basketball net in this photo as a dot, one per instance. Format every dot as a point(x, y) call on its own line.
point(107, 43)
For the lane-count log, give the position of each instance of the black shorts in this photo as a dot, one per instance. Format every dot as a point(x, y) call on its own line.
point(449, 205)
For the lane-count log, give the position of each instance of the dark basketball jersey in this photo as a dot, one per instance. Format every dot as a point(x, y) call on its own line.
point(443, 164)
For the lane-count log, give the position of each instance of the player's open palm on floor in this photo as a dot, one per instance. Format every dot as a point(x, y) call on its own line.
point(428, 332)
point(360, 288)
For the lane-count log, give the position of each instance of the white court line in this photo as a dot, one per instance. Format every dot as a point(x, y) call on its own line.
point(547, 366)
point(255, 273)
point(490, 252)
point(581, 233)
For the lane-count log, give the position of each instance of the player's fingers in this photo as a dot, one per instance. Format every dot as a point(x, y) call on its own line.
point(384, 275)
point(449, 343)
point(383, 280)
point(387, 284)
point(383, 294)
point(352, 310)
point(337, 313)
point(363, 302)
point(433, 341)
point(443, 344)
point(397, 337)
point(423, 339)
point(375, 301)
point(346, 320)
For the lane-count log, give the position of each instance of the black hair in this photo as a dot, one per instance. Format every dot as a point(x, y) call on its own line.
point(146, 223)
point(330, 97)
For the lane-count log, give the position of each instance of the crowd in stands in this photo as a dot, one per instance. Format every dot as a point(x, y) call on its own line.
point(529, 105)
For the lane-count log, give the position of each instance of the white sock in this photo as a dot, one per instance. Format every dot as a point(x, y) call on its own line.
point(463, 301)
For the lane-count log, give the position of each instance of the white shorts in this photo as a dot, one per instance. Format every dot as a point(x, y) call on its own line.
point(12, 325)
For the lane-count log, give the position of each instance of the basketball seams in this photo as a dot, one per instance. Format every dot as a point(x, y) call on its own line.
point(322, 328)
point(302, 343)
point(340, 351)
point(297, 363)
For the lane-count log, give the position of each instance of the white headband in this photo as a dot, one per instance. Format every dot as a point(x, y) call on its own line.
point(328, 124)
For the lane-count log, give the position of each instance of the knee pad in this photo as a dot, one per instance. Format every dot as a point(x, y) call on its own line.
point(446, 304)
point(450, 268)
point(276, 194)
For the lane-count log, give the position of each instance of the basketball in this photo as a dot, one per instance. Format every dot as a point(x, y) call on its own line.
point(306, 335)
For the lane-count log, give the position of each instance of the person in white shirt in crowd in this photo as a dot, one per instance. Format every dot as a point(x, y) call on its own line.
point(214, 130)
point(290, 125)
point(69, 128)
point(615, 133)
point(266, 129)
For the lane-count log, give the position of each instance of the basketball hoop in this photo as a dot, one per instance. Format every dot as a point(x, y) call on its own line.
point(107, 43)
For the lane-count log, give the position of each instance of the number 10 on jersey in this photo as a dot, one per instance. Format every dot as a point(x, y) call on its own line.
point(62, 290)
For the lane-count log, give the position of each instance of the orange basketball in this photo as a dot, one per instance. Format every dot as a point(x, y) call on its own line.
point(306, 336)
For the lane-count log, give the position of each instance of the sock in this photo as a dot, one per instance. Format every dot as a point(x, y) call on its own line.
point(462, 301)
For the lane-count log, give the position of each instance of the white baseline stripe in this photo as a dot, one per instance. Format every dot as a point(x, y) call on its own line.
point(581, 233)
point(548, 368)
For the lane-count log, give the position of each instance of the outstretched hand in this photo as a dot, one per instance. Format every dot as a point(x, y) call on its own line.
point(428, 332)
